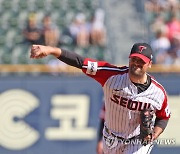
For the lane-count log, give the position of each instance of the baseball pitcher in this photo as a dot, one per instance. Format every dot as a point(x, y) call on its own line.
point(132, 98)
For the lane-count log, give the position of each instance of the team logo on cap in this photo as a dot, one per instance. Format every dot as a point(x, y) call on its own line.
point(141, 48)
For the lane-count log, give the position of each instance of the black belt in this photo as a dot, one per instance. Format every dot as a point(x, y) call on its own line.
point(118, 137)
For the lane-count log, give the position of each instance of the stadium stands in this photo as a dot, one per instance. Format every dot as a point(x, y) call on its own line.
point(15, 13)
point(163, 18)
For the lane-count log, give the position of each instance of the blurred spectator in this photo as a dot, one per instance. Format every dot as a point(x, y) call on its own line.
point(173, 26)
point(79, 30)
point(174, 51)
point(98, 32)
point(158, 6)
point(173, 5)
point(158, 24)
point(32, 33)
point(160, 45)
point(50, 32)
point(165, 25)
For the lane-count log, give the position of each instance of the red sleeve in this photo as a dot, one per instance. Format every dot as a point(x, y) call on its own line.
point(101, 70)
point(164, 112)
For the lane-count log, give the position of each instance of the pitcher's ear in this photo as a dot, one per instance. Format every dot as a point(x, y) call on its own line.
point(150, 64)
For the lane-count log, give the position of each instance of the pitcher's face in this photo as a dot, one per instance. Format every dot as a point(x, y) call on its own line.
point(137, 67)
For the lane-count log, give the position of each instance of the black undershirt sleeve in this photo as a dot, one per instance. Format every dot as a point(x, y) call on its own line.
point(71, 58)
point(161, 123)
point(100, 131)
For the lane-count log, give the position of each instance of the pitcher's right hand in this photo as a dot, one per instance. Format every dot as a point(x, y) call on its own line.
point(39, 51)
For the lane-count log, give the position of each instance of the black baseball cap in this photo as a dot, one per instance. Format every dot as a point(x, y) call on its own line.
point(143, 51)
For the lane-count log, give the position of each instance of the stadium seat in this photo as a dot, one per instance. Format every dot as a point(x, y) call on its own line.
point(6, 55)
point(40, 4)
point(23, 5)
point(1, 53)
point(6, 5)
point(16, 53)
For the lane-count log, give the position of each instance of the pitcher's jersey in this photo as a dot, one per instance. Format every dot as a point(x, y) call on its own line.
point(123, 103)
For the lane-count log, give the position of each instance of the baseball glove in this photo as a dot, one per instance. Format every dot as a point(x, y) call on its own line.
point(146, 124)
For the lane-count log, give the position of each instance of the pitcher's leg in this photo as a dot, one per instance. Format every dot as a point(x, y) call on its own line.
point(138, 149)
